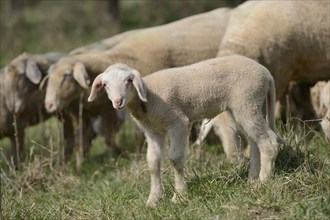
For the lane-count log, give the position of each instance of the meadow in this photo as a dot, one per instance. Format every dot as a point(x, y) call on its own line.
point(117, 188)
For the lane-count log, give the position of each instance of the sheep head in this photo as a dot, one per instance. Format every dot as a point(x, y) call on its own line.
point(67, 78)
point(22, 78)
point(120, 82)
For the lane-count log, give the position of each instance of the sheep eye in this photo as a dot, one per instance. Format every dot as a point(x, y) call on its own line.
point(129, 80)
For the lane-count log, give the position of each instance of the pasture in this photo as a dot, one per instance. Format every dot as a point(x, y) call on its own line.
point(108, 188)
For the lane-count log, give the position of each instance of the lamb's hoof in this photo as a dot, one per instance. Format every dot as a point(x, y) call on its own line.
point(253, 179)
point(178, 199)
point(153, 201)
point(253, 175)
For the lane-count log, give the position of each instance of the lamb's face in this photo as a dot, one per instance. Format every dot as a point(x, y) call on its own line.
point(119, 87)
point(67, 79)
point(121, 84)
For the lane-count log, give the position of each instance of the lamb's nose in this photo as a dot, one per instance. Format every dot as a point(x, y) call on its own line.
point(118, 101)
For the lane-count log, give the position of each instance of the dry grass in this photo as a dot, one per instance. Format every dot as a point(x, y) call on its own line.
point(108, 188)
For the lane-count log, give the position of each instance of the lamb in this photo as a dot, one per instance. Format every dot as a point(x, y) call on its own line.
point(149, 50)
point(168, 101)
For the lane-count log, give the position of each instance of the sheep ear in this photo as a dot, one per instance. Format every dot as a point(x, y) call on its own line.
point(43, 82)
point(80, 75)
point(139, 86)
point(20, 67)
point(97, 84)
point(33, 72)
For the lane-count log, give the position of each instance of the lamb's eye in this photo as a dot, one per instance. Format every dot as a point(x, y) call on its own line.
point(129, 80)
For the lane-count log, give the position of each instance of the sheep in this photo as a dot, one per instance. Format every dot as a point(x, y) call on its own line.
point(168, 101)
point(104, 44)
point(325, 103)
point(224, 127)
point(296, 102)
point(21, 99)
point(317, 101)
point(6, 121)
point(289, 38)
point(149, 50)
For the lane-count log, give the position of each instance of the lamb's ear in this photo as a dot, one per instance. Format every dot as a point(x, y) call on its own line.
point(97, 84)
point(139, 86)
point(80, 75)
point(33, 72)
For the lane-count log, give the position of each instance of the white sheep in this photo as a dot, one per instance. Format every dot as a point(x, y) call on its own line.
point(325, 103)
point(151, 49)
point(168, 101)
point(225, 128)
point(289, 38)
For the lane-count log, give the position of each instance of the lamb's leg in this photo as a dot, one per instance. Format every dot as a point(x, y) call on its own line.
point(264, 140)
point(254, 160)
point(154, 154)
point(179, 139)
point(257, 130)
point(268, 147)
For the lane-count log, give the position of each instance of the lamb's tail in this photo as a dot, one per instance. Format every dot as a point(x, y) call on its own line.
point(270, 103)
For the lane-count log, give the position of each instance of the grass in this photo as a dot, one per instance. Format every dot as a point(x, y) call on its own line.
point(108, 188)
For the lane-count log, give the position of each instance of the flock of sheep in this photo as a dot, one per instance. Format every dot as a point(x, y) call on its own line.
point(236, 62)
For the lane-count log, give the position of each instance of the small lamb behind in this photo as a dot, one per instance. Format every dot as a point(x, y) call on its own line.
point(168, 101)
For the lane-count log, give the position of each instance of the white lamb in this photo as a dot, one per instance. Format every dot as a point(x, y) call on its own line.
point(168, 101)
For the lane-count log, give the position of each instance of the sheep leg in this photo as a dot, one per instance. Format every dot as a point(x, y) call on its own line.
point(254, 160)
point(233, 145)
point(17, 145)
point(179, 139)
point(17, 150)
point(205, 128)
point(260, 137)
point(268, 147)
point(69, 136)
point(154, 154)
point(109, 128)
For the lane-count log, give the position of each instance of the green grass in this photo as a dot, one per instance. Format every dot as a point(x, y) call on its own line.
point(109, 188)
